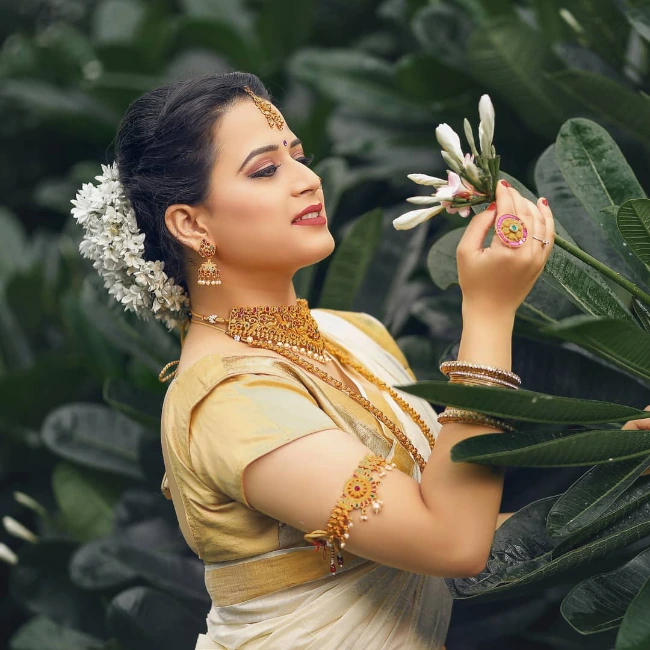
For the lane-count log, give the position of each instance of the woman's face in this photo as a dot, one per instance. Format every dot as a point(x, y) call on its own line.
point(254, 198)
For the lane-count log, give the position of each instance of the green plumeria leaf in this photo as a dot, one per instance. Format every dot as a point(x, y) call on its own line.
point(633, 220)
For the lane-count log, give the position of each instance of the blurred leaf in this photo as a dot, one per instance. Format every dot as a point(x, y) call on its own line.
point(350, 262)
point(524, 405)
point(638, 14)
point(96, 437)
point(136, 403)
point(553, 449)
point(591, 495)
point(358, 81)
point(13, 243)
point(117, 21)
point(95, 566)
point(42, 632)
point(427, 79)
point(621, 343)
point(608, 99)
point(600, 602)
point(510, 58)
point(148, 619)
point(40, 583)
point(86, 500)
point(633, 221)
point(599, 176)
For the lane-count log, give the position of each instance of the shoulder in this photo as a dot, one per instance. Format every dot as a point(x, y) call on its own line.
point(373, 328)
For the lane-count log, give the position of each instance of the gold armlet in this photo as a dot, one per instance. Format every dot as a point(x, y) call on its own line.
point(470, 417)
point(359, 492)
point(165, 374)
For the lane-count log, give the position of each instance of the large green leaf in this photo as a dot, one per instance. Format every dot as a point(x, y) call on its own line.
point(357, 80)
point(634, 633)
point(42, 632)
point(591, 495)
point(522, 553)
point(95, 436)
point(577, 223)
point(148, 619)
point(351, 260)
point(600, 602)
point(136, 403)
point(633, 220)
point(609, 100)
point(553, 449)
point(638, 14)
point(524, 405)
point(86, 500)
point(622, 343)
point(599, 176)
point(510, 57)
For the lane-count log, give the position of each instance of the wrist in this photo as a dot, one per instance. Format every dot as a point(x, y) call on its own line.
point(481, 314)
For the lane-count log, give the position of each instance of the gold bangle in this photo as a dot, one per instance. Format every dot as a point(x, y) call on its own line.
point(162, 377)
point(478, 379)
point(450, 366)
point(470, 417)
point(359, 492)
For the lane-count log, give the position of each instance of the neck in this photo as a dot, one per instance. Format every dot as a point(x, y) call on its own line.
point(220, 299)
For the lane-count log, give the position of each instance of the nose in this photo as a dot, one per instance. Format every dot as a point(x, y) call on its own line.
point(311, 182)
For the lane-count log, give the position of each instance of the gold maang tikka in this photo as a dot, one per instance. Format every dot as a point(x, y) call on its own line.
point(209, 273)
point(267, 109)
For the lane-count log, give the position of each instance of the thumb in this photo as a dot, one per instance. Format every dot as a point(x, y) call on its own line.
point(639, 425)
point(478, 228)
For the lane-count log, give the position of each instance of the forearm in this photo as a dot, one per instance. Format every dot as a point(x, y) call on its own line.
point(468, 495)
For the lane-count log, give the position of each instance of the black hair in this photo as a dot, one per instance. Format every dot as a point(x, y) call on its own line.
point(165, 152)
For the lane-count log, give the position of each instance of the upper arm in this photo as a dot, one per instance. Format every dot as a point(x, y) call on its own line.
point(300, 482)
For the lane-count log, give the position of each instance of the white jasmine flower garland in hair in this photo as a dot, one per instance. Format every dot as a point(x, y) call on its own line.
point(471, 178)
point(116, 246)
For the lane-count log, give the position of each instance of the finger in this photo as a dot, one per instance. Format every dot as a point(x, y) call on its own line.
point(549, 225)
point(476, 231)
point(638, 425)
point(513, 203)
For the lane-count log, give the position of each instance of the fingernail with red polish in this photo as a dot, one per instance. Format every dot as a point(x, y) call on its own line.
point(492, 206)
point(544, 201)
point(506, 183)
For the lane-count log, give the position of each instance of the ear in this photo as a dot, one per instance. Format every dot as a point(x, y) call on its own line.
point(185, 225)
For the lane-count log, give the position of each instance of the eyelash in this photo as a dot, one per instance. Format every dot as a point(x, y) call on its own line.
point(262, 173)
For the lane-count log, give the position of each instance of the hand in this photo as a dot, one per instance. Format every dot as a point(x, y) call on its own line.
point(499, 277)
point(639, 425)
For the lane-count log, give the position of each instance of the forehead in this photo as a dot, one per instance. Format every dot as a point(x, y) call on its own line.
point(244, 128)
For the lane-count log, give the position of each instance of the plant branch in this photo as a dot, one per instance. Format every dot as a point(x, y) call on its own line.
point(603, 269)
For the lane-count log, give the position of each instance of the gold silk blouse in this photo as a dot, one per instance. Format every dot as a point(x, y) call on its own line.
point(225, 411)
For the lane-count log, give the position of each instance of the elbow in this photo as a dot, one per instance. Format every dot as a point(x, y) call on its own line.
point(469, 564)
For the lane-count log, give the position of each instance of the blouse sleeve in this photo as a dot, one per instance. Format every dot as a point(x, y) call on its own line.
point(244, 417)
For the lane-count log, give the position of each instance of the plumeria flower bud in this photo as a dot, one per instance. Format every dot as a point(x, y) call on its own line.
point(423, 179)
point(450, 142)
point(471, 170)
point(423, 200)
point(7, 555)
point(450, 190)
point(17, 529)
point(486, 126)
point(416, 217)
point(465, 211)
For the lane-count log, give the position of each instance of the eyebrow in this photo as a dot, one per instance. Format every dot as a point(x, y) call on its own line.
point(268, 147)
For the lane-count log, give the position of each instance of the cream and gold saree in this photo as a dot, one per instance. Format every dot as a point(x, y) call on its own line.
point(285, 598)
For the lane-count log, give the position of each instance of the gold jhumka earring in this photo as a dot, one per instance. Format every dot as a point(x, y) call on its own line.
point(209, 273)
point(267, 109)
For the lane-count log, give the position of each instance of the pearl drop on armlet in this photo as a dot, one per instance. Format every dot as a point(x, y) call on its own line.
point(359, 493)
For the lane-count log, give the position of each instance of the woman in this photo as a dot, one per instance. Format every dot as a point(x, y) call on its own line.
point(260, 438)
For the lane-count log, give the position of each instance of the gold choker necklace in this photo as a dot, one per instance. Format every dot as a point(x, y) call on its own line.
point(289, 326)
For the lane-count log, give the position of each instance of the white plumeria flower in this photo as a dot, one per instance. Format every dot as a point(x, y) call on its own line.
point(423, 179)
point(416, 217)
point(17, 529)
point(30, 502)
point(451, 189)
point(7, 555)
point(450, 142)
point(486, 125)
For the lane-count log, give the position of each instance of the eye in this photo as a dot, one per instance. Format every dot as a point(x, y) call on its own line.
point(270, 170)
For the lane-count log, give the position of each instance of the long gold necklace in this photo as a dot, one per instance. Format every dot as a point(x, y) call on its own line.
point(344, 359)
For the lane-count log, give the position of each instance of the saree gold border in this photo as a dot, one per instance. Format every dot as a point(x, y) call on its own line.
point(237, 583)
